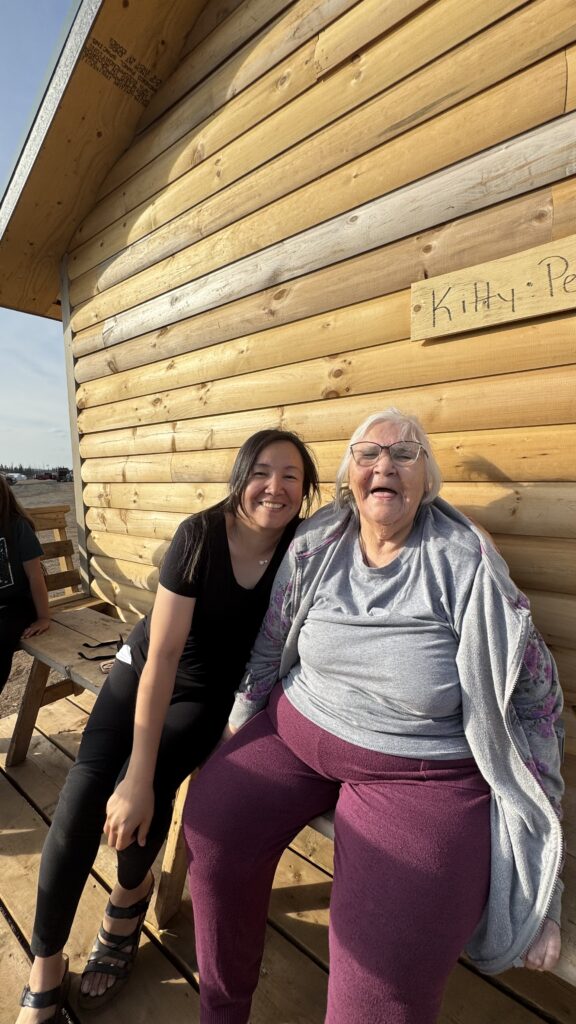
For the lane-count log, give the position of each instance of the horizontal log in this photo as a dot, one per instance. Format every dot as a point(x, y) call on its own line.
point(122, 572)
point(133, 522)
point(122, 596)
point(379, 321)
point(265, 57)
point(179, 498)
point(165, 223)
point(565, 659)
point(532, 453)
point(506, 110)
point(555, 617)
point(516, 225)
point(210, 18)
point(147, 550)
point(181, 287)
point(372, 18)
point(239, 27)
point(404, 364)
point(533, 509)
point(197, 134)
point(491, 56)
point(540, 563)
point(174, 252)
point(511, 400)
point(290, 27)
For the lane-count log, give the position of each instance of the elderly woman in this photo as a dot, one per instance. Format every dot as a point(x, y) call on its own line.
point(417, 698)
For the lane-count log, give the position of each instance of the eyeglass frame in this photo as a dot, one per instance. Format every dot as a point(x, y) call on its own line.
point(388, 448)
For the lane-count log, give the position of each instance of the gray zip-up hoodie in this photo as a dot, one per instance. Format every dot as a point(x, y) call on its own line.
point(513, 729)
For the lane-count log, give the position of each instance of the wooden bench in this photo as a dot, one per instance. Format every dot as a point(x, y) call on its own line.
point(64, 585)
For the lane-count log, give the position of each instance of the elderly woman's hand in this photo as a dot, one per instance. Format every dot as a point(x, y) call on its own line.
point(544, 952)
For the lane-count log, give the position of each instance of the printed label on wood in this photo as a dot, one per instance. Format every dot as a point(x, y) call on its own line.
point(532, 283)
point(113, 61)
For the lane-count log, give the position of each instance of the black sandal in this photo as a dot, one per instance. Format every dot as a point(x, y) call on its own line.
point(42, 1000)
point(108, 946)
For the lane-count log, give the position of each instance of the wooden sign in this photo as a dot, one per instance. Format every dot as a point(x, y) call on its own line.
point(528, 284)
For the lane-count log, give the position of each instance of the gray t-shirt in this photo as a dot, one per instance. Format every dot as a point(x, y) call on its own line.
point(378, 649)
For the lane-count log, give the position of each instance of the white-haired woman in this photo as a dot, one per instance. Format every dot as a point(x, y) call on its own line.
point(418, 699)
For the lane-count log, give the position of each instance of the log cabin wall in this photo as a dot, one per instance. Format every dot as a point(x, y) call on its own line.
point(250, 257)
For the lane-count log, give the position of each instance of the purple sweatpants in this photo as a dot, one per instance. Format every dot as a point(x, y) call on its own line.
point(411, 873)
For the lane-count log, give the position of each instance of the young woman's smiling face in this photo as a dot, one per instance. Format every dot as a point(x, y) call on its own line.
point(387, 496)
point(273, 494)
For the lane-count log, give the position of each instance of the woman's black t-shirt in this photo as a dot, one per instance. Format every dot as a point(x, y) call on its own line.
point(226, 617)
point(23, 547)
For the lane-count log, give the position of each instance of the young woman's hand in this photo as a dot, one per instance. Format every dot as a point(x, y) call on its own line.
point(544, 952)
point(129, 813)
point(35, 628)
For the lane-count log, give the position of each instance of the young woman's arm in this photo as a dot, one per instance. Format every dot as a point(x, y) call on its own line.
point(131, 806)
point(35, 575)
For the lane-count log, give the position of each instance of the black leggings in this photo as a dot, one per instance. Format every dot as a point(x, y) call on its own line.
point(190, 732)
point(12, 625)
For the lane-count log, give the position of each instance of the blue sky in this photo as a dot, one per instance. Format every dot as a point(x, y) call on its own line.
point(34, 425)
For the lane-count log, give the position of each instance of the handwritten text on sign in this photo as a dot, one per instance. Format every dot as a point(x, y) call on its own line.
point(532, 283)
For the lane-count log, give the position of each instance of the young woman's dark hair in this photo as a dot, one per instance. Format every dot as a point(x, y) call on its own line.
point(239, 478)
point(10, 509)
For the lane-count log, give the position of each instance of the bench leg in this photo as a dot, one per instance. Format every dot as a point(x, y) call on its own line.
point(65, 688)
point(174, 865)
point(29, 707)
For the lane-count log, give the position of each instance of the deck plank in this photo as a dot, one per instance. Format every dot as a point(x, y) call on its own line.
point(14, 968)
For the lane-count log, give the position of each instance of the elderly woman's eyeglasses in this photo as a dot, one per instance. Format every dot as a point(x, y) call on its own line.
point(402, 453)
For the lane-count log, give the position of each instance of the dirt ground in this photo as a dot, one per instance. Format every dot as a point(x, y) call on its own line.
point(30, 494)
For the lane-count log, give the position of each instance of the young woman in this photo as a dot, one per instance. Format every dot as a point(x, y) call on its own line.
point(161, 712)
point(23, 594)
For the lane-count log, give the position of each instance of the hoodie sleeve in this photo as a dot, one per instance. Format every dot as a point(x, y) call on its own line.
point(262, 671)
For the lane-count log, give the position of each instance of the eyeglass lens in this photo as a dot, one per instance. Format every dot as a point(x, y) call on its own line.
point(401, 452)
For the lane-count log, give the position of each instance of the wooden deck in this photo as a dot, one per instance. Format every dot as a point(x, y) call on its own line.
point(293, 981)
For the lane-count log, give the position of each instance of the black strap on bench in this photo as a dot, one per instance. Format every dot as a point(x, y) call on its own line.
point(117, 644)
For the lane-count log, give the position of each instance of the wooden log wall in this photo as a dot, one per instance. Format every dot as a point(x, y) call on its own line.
point(250, 257)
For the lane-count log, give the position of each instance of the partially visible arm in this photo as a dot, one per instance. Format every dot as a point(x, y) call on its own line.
point(131, 806)
point(35, 576)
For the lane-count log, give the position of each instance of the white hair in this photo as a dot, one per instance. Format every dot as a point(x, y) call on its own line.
point(410, 430)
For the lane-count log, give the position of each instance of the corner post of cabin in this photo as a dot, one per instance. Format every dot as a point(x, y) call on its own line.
point(73, 416)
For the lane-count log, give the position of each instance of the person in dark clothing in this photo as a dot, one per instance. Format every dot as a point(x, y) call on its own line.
point(161, 712)
point(23, 595)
